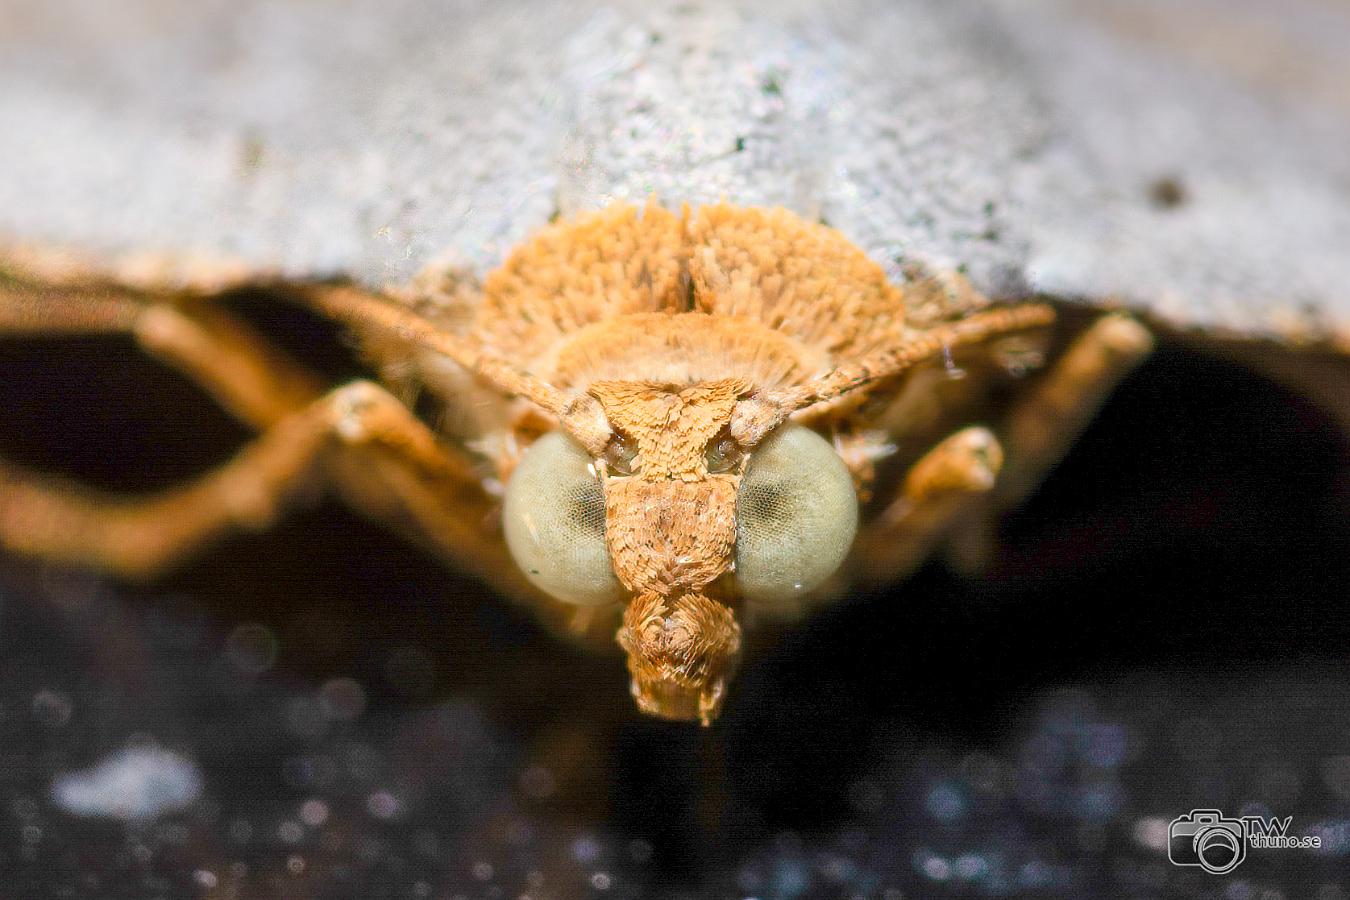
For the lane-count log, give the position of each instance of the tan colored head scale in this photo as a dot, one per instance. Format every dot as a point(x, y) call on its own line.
point(671, 526)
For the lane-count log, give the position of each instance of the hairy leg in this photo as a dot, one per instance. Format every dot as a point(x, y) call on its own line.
point(1045, 424)
point(219, 352)
point(384, 462)
point(955, 492)
point(52, 518)
point(140, 537)
point(939, 489)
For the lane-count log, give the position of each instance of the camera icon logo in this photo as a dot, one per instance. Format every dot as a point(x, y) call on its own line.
point(1204, 838)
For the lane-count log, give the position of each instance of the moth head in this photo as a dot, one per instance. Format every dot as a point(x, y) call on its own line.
point(679, 518)
point(654, 492)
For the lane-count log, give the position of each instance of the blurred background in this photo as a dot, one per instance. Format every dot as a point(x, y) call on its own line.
point(322, 711)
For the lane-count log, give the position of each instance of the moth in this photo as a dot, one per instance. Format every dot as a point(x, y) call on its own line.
point(675, 415)
point(717, 310)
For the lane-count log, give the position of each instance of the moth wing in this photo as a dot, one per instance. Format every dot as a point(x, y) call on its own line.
point(1186, 160)
point(1198, 175)
point(366, 139)
point(1198, 169)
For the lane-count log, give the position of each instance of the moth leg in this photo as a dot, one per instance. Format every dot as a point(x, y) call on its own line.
point(216, 350)
point(141, 537)
point(1044, 425)
point(387, 465)
point(393, 468)
point(939, 489)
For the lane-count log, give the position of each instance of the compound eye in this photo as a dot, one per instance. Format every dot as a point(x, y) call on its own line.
point(554, 520)
point(796, 515)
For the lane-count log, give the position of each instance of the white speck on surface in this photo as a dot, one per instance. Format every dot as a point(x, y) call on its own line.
point(314, 813)
point(1151, 832)
point(382, 805)
point(134, 783)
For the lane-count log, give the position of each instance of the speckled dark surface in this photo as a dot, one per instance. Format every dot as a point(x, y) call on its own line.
point(1166, 629)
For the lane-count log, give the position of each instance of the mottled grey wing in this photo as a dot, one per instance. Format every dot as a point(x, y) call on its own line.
point(309, 137)
point(1096, 152)
point(1201, 166)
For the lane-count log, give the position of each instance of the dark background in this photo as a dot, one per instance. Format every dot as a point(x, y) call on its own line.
point(1165, 628)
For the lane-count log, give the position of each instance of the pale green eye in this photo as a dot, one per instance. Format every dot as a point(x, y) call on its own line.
point(796, 515)
point(554, 520)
